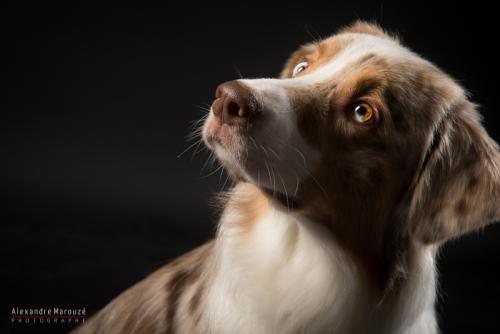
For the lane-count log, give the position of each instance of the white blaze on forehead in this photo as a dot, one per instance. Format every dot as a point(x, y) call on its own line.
point(360, 46)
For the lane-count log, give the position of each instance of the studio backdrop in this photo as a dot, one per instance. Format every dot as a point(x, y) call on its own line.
point(99, 183)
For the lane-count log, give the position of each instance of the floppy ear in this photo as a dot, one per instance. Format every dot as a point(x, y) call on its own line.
point(457, 189)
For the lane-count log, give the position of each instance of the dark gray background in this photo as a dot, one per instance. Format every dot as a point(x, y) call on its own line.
point(96, 107)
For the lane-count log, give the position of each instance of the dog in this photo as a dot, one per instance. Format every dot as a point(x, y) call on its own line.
point(351, 170)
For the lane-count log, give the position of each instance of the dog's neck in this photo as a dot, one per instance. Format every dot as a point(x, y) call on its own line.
point(290, 272)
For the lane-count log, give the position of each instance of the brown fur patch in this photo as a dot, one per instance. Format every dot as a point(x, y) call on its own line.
point(175, 287)
point(194, 302)
point(462, 149)
point(250, 204)
point(473, 182)
point(461, 207)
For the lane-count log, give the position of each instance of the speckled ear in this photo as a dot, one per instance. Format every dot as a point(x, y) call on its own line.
point(458, 186)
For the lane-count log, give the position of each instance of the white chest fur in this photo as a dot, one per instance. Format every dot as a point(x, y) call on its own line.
point(287, 275)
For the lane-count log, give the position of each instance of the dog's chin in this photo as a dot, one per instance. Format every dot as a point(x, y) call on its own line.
point(227, 159)
point(282, 200)
point(240, 174)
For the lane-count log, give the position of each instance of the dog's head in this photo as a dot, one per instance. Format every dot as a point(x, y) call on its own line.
point(364, 134)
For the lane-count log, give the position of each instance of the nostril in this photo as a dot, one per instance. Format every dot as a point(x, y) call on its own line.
point(233, 109)
point(235, 104)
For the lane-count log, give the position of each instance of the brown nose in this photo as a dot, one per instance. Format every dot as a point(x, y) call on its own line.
point(235, 104)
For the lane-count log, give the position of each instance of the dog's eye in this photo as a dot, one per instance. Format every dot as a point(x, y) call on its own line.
point(363, 113)
point(299, 68)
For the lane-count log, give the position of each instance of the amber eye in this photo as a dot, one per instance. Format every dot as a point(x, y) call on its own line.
point(363, 113)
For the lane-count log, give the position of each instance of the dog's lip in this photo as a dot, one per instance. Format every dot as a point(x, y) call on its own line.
point(217, 132)
point(287, 201)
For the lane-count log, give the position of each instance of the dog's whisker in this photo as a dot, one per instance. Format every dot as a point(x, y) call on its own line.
point(317, 37)
point(315, 181)
point(204, 106)
point(213, 172)
point(274, 179)
point(209, 158)
point(274, 152)
point(220, 175)
point(253, 142)
point(238, 72)
point(225, 182)
point(196, 150)
point(284, 188)
point(319, 185)
point(195, 133)
point(263, 149)
point(187, 149)
point(196, 126)
point(301, 155)
point(268, 172)
point(297, 184)
point(198, 121)
point(247, 151)
point(205, 109)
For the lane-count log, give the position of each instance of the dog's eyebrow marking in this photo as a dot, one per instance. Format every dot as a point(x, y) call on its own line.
point(364, 87)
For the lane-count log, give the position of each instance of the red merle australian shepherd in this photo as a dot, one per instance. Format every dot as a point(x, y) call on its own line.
point(351, 170)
